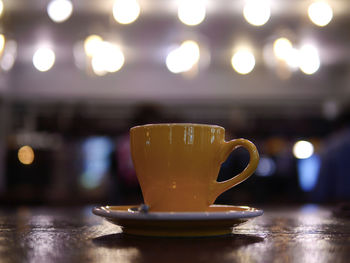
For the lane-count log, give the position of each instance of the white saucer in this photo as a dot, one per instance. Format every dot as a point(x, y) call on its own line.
point(218, 220)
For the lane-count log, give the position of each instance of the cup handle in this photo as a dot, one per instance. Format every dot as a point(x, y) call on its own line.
point(227, 148)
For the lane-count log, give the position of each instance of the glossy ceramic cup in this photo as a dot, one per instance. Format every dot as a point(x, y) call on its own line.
point(177, 165)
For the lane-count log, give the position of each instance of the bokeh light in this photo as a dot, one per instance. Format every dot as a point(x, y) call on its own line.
point(183, 58)
point(191, 12)
point(43, 59)
point(266, 167)
point(91, 44)
point(303, 149)
point(1, 7)
point(282, 47)
point(175, 62)
point(96, 162)
point(320, 13)
point(126, 11)
point(26, 155)
point(308, 170)
point(257, 12)
point(106, 58)
point(2, 43)
point(293, 58)
point(243, 61)
point(59, 10)
point(309, 61)
point(330, 109)
point(9, 55)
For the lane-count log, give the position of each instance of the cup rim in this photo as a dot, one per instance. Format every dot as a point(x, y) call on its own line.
point(176, 124)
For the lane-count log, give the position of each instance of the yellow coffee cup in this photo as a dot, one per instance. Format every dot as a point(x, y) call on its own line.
point(177, 164)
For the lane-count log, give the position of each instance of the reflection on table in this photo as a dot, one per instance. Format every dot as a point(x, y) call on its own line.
point(283, 234)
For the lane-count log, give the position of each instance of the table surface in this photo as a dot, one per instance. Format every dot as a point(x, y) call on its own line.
point(295, 234)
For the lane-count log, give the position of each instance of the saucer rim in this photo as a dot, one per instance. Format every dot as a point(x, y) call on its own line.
point(106, 212)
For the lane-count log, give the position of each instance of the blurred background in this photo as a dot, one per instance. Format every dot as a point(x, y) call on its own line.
point(76, 75)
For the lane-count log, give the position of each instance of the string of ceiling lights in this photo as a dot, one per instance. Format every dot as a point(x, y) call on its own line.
point(107, 57)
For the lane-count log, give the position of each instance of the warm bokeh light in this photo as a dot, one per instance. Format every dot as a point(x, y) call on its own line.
point(320, 13)
point(26, 155)
point(293, 58)
point(9, 55)
point(107, 58)
point(303, 149)
point(257, 12)
point(43, 59)
point(191, 12)
point(191, 49)
point(174, 61)
point(309, 61)
point(126, 11)
point(91, 44)
point(282, 47)
point(1, 7)
point(183, 58)
point(2, 43)
point(59, 10)
point(243, 61)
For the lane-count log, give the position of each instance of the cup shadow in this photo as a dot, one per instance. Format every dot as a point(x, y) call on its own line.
point(211, 249)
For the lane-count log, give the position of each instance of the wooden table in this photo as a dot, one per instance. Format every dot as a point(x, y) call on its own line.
point(295, 234)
